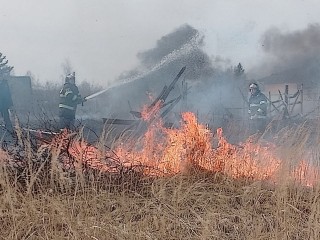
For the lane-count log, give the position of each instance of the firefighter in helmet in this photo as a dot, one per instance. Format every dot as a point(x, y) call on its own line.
point(69, 99)
point(258, 105)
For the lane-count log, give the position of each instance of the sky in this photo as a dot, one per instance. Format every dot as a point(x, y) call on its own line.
point(100, 39)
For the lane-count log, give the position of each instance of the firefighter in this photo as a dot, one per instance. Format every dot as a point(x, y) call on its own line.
point(69, 99)
point(5, 104)
point(258, 104)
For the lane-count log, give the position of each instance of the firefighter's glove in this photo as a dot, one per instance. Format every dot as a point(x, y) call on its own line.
point(254, 117)
point(83, 100)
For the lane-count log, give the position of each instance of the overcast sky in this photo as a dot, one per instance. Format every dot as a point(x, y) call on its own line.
point(101, 38)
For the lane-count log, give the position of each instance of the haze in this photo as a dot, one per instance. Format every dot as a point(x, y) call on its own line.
point(101, 38)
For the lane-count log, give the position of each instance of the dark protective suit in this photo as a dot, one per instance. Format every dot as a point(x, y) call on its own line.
point(69, 99)
point(258, 105)
point(5, 103)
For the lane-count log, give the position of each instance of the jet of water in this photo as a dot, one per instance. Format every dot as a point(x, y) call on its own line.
point(172, 56)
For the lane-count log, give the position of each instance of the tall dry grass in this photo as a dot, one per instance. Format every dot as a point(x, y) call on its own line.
point(45, 203)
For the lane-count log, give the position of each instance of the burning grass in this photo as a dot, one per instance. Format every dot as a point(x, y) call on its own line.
point(170, 184)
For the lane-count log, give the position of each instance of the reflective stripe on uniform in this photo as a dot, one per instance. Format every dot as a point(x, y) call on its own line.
point(257, 117)
point(65, 94)
point(68, 91)
point(254, 105)
point(65, 106)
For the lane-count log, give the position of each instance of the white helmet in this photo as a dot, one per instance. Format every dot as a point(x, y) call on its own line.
point(253, 86)
point(71, 77)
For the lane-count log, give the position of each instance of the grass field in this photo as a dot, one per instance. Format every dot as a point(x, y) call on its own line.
point(42, 201)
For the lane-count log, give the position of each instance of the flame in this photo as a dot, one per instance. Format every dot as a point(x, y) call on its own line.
point(163, 152)
point(149, 113)
point(170, 151)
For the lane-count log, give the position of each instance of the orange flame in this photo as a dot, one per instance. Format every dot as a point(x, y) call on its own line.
point(170, 151)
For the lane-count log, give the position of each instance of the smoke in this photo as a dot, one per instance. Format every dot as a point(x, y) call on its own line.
point(292, 53)
point(158, 67)
point(182, 47)
point(295, 46)
point(169, 43)
point(209, 78)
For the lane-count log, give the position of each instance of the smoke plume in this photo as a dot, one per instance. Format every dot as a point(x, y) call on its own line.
point(292, 54)
point(159, 65)
point(212, 84)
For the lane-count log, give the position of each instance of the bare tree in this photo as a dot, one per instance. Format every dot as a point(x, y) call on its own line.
point(4, 68)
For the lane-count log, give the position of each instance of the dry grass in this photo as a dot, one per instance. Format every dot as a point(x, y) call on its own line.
point(194, 205)
point(180, 207)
